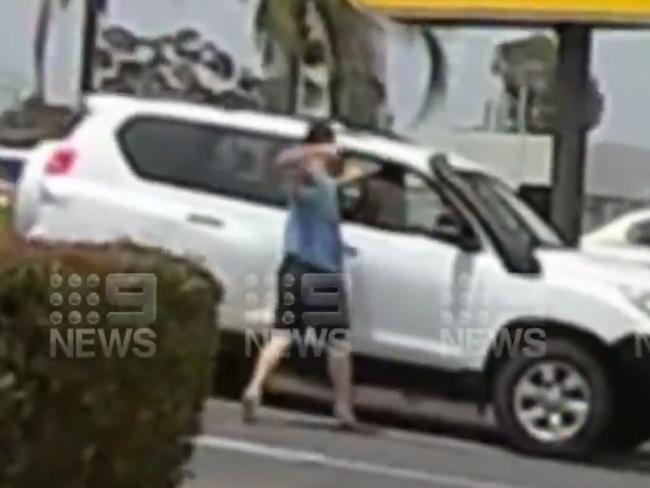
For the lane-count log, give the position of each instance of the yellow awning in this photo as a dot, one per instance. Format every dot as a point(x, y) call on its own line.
point(552, 11)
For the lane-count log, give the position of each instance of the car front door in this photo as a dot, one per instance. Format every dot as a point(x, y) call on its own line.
point(414, 280)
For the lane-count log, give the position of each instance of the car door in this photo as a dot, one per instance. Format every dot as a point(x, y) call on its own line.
point(211, 193)
point(413, 285)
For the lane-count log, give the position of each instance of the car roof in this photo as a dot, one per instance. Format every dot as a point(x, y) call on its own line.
point(388, 147)
point(621, 224)
point(634, 217)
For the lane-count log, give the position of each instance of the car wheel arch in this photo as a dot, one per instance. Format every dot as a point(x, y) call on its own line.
point(551, 329)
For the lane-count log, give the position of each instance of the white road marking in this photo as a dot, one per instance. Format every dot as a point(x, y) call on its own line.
point(299, 456)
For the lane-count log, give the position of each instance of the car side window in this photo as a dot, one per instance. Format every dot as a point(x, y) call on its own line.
point(425, 206)
point(639, 234)
point(394, 199)
point(207, 158)
point(374, 197)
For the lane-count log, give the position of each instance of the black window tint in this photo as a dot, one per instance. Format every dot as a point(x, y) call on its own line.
point(207, 158)
point(166, 151)
point(640, 234)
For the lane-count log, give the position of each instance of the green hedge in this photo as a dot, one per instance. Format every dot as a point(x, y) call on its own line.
point(118, 419)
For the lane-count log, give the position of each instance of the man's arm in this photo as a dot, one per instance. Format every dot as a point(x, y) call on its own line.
point(305, 155)
point(305, 171)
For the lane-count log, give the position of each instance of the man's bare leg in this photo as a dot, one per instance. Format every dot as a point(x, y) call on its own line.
point(267, 361)
point(339, 361)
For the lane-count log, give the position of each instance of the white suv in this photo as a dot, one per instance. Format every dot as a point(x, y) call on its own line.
point(453, 277)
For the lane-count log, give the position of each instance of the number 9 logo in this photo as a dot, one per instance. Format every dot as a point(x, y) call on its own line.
point(136, 292)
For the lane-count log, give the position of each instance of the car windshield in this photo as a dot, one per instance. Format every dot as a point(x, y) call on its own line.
point(513, 213)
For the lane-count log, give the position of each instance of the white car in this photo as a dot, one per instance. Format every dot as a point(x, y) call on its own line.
point(627, 238)
point(452, 276)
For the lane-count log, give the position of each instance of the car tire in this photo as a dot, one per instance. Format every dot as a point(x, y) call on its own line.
point(559, 404)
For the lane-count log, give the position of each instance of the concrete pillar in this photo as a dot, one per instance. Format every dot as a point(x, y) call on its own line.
point(571, 132)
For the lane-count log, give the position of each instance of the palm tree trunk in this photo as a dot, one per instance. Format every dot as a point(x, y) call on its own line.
point(357, 81)
point(335, 75)
point(94, 8)
point(295, 59)
point(294, 84)
point(357, 86)
point(40, 47)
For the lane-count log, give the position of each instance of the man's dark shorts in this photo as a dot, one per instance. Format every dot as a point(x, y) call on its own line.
point(310, 297)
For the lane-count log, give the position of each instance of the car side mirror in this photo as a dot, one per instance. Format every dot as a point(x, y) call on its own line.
point(448, 224)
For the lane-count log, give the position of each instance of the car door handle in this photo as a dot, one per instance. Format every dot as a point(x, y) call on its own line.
point(206, 220)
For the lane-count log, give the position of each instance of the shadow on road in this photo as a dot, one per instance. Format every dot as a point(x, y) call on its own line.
point(377, 420)
point(387, 419)
point(632, 463)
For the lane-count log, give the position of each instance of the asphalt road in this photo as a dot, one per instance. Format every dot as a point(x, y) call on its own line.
point(289, 450)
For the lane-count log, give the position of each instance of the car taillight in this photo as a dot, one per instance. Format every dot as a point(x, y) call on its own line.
point(61, 162)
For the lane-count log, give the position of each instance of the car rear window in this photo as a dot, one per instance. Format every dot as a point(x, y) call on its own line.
point(207, 158)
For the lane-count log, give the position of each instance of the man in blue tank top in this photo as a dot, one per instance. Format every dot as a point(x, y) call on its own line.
point(311, 291)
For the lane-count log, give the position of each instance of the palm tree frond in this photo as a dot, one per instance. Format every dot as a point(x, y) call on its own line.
point(438, 74)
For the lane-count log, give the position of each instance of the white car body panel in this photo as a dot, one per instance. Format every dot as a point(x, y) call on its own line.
point(413, 299)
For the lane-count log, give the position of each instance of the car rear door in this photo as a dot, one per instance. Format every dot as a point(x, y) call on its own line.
point(224, 204)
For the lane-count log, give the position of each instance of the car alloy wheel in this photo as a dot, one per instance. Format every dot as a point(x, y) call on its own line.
point(560, 404)
point(552, 401)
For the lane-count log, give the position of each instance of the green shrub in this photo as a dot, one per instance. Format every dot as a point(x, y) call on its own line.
point(118, 419)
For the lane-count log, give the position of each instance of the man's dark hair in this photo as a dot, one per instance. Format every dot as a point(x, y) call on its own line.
point(320, 133)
